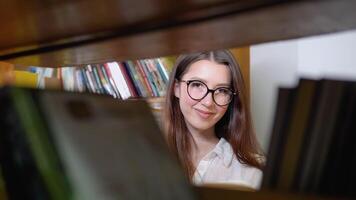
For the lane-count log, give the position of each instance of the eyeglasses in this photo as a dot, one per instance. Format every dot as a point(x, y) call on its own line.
point(198, 90)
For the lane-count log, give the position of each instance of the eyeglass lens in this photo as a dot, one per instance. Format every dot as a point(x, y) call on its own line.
point(197, 90)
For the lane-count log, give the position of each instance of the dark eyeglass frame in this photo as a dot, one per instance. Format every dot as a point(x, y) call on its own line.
point(212, 91)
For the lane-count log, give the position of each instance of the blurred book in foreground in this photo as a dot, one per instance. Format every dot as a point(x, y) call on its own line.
point(84, 146)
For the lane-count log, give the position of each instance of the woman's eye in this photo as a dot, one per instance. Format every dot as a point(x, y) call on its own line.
point(223, 91)
point(196, 84)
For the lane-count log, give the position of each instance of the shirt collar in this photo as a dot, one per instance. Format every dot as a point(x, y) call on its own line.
point(224, 151)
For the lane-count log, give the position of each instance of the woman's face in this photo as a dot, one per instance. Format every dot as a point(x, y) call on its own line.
point(202, 115)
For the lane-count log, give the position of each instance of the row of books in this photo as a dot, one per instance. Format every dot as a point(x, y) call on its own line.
point(129, 79)
point(312, 147)
point(64, 145)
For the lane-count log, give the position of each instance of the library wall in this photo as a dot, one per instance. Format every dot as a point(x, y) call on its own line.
point(331, 56)
point(272, 64)
point(280, 64)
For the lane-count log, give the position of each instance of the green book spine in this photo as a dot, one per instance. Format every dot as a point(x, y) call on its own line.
point(45, 154)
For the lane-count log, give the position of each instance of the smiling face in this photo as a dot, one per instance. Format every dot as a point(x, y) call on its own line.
point(202, 115)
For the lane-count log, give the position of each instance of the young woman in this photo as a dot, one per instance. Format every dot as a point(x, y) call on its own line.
point(208, 121)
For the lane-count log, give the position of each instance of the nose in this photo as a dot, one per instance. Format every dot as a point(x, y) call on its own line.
point(208, 99)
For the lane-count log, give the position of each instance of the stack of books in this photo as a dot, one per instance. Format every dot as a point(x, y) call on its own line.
point(312, 146)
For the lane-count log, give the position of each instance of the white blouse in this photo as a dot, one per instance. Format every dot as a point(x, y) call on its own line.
point(221, 166)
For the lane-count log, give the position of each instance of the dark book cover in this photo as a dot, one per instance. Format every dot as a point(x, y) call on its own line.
point(38, 136)
point(335, 175)
point(296, 133)
point(282, 117)
point(18, 166)
point(319, 133)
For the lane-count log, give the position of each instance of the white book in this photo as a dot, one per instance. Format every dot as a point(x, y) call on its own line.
point(119, 80)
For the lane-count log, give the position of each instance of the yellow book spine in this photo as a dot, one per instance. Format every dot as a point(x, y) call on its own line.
point(25, 79)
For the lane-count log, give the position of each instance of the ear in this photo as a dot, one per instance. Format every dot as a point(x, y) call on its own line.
point(176, 89)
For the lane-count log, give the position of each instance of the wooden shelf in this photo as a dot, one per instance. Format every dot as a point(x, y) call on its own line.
point(208, 193)
point(74, 33)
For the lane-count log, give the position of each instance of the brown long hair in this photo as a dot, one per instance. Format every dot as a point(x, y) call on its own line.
point(235, 126)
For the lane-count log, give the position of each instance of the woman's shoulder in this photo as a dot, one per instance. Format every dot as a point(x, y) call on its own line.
point(230, 152)
point(246, 173)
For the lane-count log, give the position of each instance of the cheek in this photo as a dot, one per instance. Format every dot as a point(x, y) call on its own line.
point(186, 105)
point(221, 111)
point(186, 100)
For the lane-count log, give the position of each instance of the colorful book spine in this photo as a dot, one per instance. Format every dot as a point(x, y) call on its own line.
point(143, 78)
point(149, 78)
point(136, 80)
point(127, 79)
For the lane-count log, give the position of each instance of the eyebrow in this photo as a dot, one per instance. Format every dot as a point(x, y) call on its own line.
point(218, 85)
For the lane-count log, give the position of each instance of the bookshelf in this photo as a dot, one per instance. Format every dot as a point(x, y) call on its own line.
point(77, 33)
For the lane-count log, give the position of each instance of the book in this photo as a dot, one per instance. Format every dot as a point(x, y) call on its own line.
point(312, 148)
point(25, 79)
point(134, 78)
point(109, 82)
point(143, 72)
point(6, 73)
point(109, 149)
point(320, 133)
point(119, 79)
point(3, 194)
point(37, 133)
point(282, 117)
point(128, 80)
point(18, 166)
point(334, 176)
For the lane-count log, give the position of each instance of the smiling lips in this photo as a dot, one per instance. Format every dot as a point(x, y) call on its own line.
point(204, 114)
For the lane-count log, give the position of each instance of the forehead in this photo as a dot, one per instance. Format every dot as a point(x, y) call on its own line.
point(209, 71)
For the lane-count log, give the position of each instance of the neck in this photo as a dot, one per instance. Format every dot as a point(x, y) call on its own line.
point(203, 137)
point(203, 142)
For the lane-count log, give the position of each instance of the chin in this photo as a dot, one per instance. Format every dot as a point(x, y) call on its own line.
point(202, 126)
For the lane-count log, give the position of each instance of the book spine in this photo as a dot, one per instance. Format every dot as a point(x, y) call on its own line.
point(163, 72)
point(45, 154)
point(112, 82)
point(112, 87)
point(128, 80)
point(143, 79)
point(119, 80)
point(99, 85)
point(85, 80)
point(161, 86)
point(137, 82)
point(89, 78)
point(104, 83)
point(18, 170)
point(148, 78)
